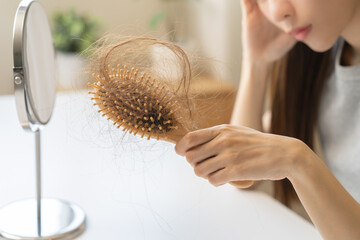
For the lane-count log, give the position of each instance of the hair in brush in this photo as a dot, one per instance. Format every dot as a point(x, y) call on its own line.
point(130, 90)
point(138, 95)
point(140, 105)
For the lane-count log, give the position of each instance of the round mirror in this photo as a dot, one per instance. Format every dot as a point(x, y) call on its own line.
point(34, 66)
point(35, 89)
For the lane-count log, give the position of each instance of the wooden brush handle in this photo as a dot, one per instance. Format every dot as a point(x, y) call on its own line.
point(239, 184)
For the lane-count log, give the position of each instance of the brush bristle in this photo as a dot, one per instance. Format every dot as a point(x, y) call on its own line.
point(140, 105)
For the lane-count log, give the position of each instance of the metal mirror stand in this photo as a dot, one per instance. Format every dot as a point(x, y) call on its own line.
point(39, 218)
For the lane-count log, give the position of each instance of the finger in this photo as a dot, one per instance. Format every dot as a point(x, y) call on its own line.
point(195, 138)
point(230, 174)
point(207, 167)
point(219, 177)
point(248, 6)
point(202, 152)
point(246, 3)
point(243, 184)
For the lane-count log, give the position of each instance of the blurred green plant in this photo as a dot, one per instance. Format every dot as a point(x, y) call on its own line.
point(160, 16)
point(73, 32)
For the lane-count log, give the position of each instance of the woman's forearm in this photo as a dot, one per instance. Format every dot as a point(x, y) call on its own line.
point(249, 103)
point(331, 208)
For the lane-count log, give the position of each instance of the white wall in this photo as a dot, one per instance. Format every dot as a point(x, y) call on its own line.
point(213, 26)
point(216, 24)
point(127, 16)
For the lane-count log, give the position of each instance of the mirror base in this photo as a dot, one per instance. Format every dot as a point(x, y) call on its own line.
point(60, 220)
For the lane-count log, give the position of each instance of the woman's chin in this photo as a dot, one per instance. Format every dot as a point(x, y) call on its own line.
point(320, 46)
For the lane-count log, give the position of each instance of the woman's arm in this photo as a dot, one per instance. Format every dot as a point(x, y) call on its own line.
point(262, 44)
point(226, 153)
point(249, 103)
point(331, 208)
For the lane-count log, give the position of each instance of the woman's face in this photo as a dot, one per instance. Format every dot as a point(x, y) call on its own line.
point(318, 23)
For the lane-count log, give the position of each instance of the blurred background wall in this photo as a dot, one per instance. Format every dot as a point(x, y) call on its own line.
point(209, 28)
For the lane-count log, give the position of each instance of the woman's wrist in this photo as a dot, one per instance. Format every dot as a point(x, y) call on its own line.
point(334, 212)
point(249, 104)
point(257, 71)
point(303, 164)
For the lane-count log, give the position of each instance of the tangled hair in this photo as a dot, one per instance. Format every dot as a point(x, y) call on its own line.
point(165, 62)
point(157, 104)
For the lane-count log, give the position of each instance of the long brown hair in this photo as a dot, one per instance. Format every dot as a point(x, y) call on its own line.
point(296, 89)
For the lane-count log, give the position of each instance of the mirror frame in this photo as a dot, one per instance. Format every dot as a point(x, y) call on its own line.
point(27, 117)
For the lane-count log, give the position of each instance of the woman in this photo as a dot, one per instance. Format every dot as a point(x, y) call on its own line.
point(307, 52)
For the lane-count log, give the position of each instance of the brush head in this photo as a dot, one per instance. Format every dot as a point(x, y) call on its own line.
point(139, 104)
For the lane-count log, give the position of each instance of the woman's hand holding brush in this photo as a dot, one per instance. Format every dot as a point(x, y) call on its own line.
point(228, 153)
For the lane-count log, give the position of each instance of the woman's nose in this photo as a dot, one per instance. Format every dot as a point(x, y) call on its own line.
point(280, 10)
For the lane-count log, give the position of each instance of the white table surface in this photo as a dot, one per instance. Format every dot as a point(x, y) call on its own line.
point(131, 188)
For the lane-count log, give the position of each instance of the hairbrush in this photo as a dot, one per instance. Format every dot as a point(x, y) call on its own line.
point(141, 105)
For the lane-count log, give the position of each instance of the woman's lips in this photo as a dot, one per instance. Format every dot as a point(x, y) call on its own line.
point(301, 33)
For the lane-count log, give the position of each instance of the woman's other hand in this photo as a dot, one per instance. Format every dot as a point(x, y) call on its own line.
point(262, 41)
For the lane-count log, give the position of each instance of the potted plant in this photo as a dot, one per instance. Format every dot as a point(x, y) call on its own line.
point(175, 17)
point(72, 34)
